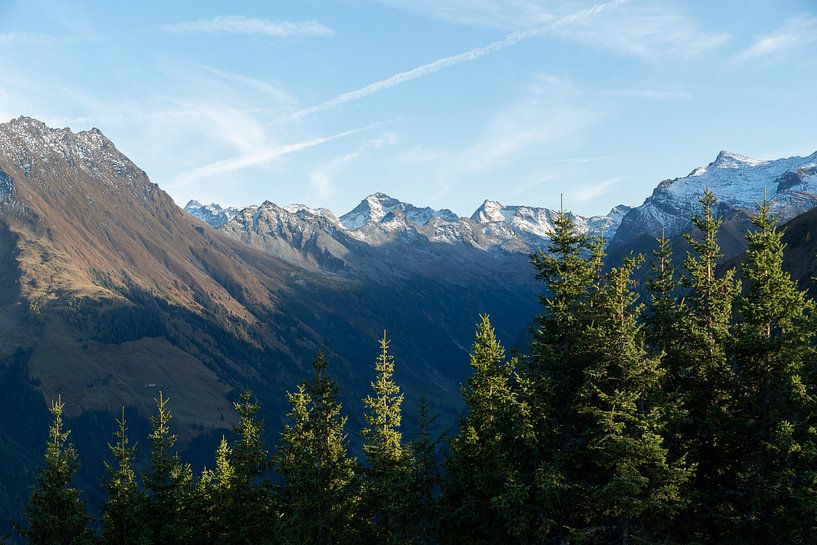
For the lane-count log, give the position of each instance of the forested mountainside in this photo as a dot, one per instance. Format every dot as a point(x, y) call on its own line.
point(685, 417)
point(111, 294)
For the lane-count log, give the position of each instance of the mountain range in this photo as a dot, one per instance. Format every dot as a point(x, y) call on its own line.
point(110, 292)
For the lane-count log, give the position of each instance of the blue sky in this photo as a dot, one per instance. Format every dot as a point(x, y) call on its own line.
point(437, 102)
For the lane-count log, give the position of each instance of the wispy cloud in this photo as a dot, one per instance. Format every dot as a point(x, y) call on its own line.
point(796, 33)
point(586, 193)
point(446, 62)
point(650, 94)
point(488, 13)
point(26, 38)
point(644, 31)
point(239, 24)
point(322, 183)
point(255, 157)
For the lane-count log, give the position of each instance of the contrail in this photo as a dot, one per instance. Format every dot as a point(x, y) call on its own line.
point(445, 62)
point(256, 157)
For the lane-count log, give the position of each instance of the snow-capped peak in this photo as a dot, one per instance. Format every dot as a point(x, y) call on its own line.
point(381, 208)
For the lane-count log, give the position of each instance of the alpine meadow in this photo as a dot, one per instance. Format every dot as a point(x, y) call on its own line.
point(557, 338)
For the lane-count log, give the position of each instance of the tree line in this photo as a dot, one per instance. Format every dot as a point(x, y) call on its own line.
point(684, 415)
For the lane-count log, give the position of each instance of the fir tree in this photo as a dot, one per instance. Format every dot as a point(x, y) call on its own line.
point(169, 483)
point(775, 355)
point(387, 471)
point(123, 514)
point(705, 381)
point(321, 494)
point(55, 514)
point(486, 498)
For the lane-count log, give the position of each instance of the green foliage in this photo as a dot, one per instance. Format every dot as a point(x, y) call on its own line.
point(386, 477)
point(321, 495)
point(168, 482)
point(485, 493)
point(691, 418)
point(704, 381)
point(421, 511)
point(776, 396)
point(123, 514)
point(55, 514)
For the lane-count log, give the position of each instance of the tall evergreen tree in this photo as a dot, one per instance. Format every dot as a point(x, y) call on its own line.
point(251, 489)
point(777, 403)
point(321, 491)
point(621, 482)
point(555, 369)
point(664, 307)
point(388, 462)
point(55, 514)
point(421, 513)
point(485, 496)
point(214, 509)
point(123, 514)
point(706, 382)
point(168, 482)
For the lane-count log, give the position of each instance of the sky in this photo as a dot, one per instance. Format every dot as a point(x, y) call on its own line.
point(441, 103)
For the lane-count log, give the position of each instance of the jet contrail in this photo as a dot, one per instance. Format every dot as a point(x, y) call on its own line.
point(445, 62)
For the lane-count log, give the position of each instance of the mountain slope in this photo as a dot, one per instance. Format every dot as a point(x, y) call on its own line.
point(738, 182)
point(111, 293)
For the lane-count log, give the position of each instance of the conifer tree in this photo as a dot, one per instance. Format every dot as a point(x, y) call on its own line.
point(485, 495)
point(214, 508)
point(555, 369)
point(388, 462)
point(421, 513)
point(123, 514)
point(775, 355)
point(706, 382)
point(168, 482)
point(55, 514)
point(249, 489)
point(321, 495)
point(618, 477)
point(664, 308)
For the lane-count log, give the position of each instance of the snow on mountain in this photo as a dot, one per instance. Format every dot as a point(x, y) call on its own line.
point(212, 213)
point(317, 238)
point(738, 182)
point(380, 208)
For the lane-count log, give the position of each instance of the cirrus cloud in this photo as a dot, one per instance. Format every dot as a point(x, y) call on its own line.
point(239, 24)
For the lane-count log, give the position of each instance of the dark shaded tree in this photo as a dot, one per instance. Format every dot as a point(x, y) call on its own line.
point(321, 495)
point(55, 514)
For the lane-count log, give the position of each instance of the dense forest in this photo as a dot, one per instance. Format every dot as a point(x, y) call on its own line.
point(678, 411)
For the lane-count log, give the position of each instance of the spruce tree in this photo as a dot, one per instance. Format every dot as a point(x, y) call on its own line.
point(123, 514)
point(55, 514)
point(620, 480)
point(486, 497)
point(775, 356)
point(705, 381)
point(168, 482)
point(321, 496)
point(555, 369)
point(664, 307)
point(214, 508)
point(421, 513)
point(250, 489)
point(388, 463)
